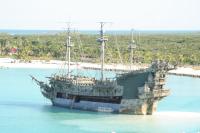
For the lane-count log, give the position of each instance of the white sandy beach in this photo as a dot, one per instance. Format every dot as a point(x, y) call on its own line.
point(11, 63)
point(185, 71)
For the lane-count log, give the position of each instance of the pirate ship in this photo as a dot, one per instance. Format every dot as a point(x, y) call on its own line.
point(133, 92)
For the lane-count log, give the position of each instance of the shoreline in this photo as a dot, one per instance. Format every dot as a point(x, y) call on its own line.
point(185, 71)
point(53, 64)
point(11, 63)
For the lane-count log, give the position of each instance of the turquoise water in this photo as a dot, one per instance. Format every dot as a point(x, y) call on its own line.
point(24, 110)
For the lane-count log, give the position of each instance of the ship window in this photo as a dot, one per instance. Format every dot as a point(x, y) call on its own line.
point(60, 95)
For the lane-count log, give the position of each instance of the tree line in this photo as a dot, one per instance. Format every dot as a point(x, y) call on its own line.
point(182, 48)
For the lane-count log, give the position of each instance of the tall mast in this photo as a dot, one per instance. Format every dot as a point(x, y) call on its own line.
point(132, 46)
point(102, 41)
point(69, 45)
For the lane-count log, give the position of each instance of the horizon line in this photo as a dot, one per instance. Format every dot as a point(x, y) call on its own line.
point(25, 29)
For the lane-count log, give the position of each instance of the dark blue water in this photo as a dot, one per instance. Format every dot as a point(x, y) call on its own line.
point(24, 110)
point(29, 32)
point(41, 32)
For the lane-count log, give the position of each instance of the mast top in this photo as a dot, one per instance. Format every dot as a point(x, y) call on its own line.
point(68, 46)
point(132, 44)
point(102, 41)
point(102, 37)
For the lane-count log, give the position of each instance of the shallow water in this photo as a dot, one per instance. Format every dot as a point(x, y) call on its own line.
point(23, 109)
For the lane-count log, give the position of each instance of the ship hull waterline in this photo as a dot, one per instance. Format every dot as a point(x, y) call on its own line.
point(128, 106)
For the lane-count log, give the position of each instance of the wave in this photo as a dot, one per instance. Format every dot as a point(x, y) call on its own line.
point(169, 121)
point(178, 114)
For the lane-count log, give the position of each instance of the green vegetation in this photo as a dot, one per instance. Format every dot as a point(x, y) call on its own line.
point(182, 48)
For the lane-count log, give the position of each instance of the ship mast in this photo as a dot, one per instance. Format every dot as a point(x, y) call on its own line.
point(69, 45)
point(102, 41)
point(132, 46)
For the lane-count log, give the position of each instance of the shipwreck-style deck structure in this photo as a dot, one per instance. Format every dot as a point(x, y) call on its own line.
point(134, 92)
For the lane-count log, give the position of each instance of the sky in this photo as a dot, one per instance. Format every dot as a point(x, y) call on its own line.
point(85, 14)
